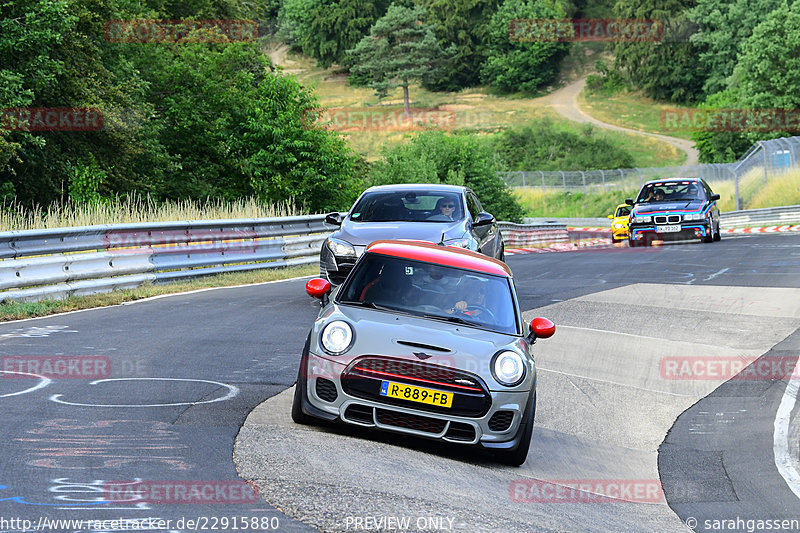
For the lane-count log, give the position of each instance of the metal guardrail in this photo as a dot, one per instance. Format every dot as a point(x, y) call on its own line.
point(57, 263)
point(770, 216)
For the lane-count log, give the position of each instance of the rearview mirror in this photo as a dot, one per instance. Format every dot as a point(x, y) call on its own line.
point(483, 219)
point(714, 197)
point(318, 288)
point(542, 328)
point(611, 217)
point(334, 219)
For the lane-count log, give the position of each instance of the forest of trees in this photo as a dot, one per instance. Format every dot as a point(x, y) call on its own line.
point(212, 117)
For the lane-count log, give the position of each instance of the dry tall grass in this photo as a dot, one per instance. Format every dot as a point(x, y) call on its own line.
point(136, 209)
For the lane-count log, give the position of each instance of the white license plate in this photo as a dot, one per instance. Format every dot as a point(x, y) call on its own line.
point(668, 229)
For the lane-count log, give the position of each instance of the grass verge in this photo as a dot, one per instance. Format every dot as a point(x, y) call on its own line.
point(538, 203)
point(630, 110)
point(20, 310)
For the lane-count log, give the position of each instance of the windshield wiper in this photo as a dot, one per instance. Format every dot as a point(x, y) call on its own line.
point(370, 305)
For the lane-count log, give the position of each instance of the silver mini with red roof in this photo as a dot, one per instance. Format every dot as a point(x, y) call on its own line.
point(426, 340)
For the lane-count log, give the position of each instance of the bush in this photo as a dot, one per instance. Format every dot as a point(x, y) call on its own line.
point(436, 157)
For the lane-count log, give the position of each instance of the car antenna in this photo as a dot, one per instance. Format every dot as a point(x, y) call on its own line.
point(441, 241)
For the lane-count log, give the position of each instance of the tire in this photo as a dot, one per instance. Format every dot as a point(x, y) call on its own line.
point(518, 456)
point(298, 415)
point(710, 237)
point(718, 234)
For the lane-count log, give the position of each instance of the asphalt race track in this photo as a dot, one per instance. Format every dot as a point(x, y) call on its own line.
point(633, 395)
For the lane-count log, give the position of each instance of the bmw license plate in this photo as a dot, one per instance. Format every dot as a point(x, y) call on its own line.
point(411, 393)
point(668, 229)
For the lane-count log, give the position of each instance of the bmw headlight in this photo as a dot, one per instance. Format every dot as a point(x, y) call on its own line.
point(508, 368)
point(337, 337)
point(643, 220)
point(341, 248)
point(693, 216)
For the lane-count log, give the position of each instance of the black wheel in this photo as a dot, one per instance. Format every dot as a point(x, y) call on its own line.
point(710, 236)
point(300, 390)
point(520, 454)
point(718, 234)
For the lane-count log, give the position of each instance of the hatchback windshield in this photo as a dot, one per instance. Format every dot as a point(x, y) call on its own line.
point(432, 291)
point(671, 191)
point(409, 205)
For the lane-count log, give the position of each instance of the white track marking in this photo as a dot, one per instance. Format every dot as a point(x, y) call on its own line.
point(715, 274)
point(539, 368)
point(154, 298)
point(44, 382)
point(780, 437)
point(232, 391)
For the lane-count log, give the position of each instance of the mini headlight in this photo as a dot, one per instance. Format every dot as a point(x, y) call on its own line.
point(642, 220)
point(508, 368)
point(341, 248)
point(337, 337)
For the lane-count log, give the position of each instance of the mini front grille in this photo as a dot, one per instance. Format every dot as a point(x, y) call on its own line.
point(501, 420)
point(359, 413)
point(441, 375)
point(417, 423)
point(461, 432)
point(326, 390)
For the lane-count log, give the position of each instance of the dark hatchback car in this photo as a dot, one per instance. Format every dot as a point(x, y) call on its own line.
point(674, 209)
point(447, 214)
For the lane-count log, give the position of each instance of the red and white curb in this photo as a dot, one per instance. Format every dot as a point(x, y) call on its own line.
point(768, 229)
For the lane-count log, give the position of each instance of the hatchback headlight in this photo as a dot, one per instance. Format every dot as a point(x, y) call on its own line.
point(337, 337)
point(508, 368)
point(341, 248)
point(618, 226)
point(643, 220)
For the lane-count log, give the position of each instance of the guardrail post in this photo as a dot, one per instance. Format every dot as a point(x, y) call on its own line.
point(583, 176)
point(523, 178)
point(603, 175)
point(563, 180)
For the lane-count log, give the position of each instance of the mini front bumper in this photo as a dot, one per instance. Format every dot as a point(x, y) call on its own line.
point(320, 401)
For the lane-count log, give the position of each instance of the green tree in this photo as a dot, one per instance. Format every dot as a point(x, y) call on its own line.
point(339, 26)
point(723, 26)
point(463, 23)
point(399, 49)
point(438, 157)
point(666, 69)
point(515, 64)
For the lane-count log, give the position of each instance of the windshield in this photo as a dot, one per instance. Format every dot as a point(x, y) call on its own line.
point(433, 291)
point(408, 205)
point(671, 191)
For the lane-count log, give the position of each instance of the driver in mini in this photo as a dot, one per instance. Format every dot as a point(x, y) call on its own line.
point(477, 297)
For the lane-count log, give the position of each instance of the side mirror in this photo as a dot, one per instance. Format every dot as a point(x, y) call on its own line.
point(318, 288)
point(334, 219)
point(541, 328)
point(611, 217)
point(628, 201)
point(714, 197)
point(483, 219)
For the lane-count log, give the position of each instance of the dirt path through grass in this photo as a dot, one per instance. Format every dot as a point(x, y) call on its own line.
point(565, 102)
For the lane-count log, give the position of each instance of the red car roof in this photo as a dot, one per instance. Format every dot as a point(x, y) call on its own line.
point(440, 255)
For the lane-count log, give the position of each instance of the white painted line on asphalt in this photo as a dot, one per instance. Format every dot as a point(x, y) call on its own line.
point(634, 335)
point(44, 382)
point(232, 392)
point(783, 418)
point(154, 298)
point(539, 368)
point(715, 274)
